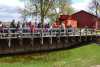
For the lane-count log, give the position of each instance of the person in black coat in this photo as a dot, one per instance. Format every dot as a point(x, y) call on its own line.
point(13, 26)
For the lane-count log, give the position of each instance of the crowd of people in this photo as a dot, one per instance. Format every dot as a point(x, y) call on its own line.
point(28, 26)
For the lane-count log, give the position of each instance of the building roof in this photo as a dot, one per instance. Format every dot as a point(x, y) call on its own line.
point(65, 17)
point(82, 11)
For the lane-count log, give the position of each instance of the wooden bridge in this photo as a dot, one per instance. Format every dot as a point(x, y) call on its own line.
point(14, 40)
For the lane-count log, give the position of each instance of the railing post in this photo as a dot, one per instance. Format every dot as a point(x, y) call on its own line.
point(20, 36)
point(91, 31)
point(9, 38)
point(74, 31)
point(80, 35)
point(86, 33)
point(64, 31)
point(91, 34)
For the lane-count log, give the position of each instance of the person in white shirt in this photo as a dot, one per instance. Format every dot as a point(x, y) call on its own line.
point(63, 27)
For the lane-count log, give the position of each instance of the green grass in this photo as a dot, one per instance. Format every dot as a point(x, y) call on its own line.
point(86, 56)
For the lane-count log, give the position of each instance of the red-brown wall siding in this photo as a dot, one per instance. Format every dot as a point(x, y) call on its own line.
point(84, 19)
point(98, 24)
point(80, 19)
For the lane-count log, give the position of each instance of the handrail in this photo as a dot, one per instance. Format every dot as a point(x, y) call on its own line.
point(54, 32)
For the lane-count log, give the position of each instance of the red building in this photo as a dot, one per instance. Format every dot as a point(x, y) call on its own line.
point(98, 24)
point(80, 19)
point(84, 19)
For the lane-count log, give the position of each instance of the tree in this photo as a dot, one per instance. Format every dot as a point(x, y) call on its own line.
point(24, 14)
point(95, 7)
point(64, 6)
point(47, 8)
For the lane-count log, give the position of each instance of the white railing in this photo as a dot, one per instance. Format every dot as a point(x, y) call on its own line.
point(44, 32)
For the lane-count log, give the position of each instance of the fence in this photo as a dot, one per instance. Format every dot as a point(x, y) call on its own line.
point(42, 32)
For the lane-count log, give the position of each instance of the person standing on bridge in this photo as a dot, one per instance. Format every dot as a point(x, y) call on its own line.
point(31, 27)
point(63, 28)
point(13, 26)
point(47, 26)
point(1, 27)
point(19, 27)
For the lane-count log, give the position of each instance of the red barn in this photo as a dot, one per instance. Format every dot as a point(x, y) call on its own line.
point(84, 19)
point(98, 24)
point(80, 19)
point(68, 21)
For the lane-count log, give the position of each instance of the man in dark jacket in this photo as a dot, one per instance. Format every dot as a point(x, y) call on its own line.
point(13, 26)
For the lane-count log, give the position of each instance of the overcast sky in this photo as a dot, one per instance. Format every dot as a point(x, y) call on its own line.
point(80, 4)
point(9, 8)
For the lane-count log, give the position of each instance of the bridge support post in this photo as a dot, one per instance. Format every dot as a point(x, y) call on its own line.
point(66, 39)
point(58, 40)
point(32, 41)
point(51, 40)
point(42, 36)
point(9, 42)
point(80, 39)
point(42, 40)
point(21, 41)
point(73, 39)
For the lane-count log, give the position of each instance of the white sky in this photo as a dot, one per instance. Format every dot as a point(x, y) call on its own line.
point(8, 8)
point(13, 3)
point(81, 4)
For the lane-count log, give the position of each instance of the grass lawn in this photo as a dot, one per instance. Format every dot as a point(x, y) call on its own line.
point(85, 56)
